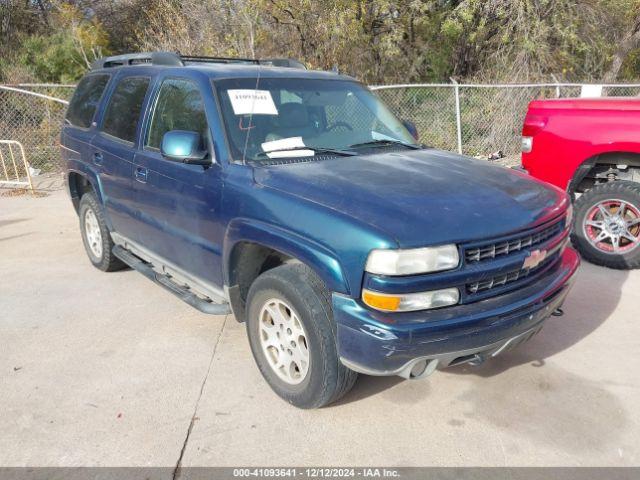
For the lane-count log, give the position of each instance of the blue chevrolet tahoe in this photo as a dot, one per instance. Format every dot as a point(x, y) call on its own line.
point(297, 201)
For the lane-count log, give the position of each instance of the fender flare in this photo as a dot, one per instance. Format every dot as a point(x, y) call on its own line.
point(578, 175)
point(91, 176)
point(322, 260)
point(585, 167)
point(82, 169)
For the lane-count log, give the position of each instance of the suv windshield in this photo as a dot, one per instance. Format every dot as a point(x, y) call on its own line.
point(282, 117)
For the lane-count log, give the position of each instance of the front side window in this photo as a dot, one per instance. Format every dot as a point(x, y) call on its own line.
point(294, 117)
point(179, 107)
point(85, 100)
point(123, 111)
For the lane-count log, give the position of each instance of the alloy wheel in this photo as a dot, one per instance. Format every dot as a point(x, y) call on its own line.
point(93, 233)
point(613, 226)
point(284, 341)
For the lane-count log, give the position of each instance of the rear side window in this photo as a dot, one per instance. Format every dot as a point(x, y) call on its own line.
point(123, 111)
point(86, 99)
point(179, 107)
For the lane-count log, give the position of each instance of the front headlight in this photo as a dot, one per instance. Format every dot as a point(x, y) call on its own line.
point(414, 261)
point(410, 302)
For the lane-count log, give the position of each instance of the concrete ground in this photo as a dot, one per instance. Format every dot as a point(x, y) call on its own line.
point(110, 369)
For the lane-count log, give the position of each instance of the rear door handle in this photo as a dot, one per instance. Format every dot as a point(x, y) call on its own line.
point(141, 174)
point(98, 158)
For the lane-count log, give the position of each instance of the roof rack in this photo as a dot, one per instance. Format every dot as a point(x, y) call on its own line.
point(177, 60)
point(143, 58)
point(283, 62)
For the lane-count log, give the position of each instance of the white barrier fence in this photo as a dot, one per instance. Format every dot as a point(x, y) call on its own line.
point(20, 174)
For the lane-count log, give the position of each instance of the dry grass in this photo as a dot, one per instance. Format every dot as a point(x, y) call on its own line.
point(18, 192)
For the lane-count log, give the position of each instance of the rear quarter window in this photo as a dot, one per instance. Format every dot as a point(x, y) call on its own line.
point(123, 111)
point(85, 100)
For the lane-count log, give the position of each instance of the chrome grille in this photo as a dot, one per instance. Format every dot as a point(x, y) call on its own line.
point(506, 278)
point(499, 249)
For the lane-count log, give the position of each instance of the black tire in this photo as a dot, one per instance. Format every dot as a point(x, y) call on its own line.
point(106, 261)
point(628, 192)
point(298, 286)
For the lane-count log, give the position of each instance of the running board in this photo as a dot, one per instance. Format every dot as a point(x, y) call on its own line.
point(183, 293)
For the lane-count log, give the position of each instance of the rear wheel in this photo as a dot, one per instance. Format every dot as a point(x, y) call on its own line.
point(95, 235)
point(293, 337)
point(606, 230)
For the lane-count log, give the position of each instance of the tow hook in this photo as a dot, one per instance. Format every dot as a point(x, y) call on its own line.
point(558, 312)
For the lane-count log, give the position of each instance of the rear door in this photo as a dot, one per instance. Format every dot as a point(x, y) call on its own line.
point(113, 149)
point(179, 203)
point(78, 129)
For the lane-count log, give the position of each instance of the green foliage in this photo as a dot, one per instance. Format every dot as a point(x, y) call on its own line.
point(52, 58)
point(61, 53)
point(378, 41)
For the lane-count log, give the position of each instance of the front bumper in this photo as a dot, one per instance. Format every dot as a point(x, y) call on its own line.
point(371, 344)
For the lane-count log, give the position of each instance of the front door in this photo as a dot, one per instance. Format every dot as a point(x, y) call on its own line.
point(178, 204)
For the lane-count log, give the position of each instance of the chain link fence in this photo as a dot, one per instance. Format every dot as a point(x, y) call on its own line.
point(32, 115)
point(476, 120)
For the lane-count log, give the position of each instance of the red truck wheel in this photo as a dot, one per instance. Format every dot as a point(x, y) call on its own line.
point(607, 225)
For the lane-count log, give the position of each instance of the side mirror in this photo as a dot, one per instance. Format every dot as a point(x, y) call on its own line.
point(413, 130)
point(183, 146)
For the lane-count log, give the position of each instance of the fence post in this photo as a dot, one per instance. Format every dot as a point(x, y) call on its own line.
point(555, 79)
point(458, 120)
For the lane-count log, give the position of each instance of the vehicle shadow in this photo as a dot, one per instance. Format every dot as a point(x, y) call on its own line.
point(12, 237)
point(4, 223)
point(368, 386)
point(594, 297)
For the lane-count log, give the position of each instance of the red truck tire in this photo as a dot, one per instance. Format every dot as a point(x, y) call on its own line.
point(606, 229)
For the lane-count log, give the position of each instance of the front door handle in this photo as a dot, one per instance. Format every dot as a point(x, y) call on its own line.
point(141, 174)
point(98, 158)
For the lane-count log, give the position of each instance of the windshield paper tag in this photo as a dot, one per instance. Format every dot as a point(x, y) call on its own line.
point(290, 142)
point(292, 154)
point(256, 102)
point(284, 144)
point(380, 136)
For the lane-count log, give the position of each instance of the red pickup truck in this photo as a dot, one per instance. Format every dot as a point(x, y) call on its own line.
point(591, 148)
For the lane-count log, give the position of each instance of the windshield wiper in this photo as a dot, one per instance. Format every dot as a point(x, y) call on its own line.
point(384, 142)
point(335, 151)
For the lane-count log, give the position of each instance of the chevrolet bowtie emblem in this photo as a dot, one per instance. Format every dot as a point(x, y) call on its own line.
point(534, 259)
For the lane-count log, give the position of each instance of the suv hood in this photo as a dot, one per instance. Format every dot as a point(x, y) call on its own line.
point(421, 197)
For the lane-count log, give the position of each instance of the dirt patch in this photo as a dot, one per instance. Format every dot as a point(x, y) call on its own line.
point(18, 192)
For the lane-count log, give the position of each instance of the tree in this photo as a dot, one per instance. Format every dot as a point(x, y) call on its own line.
point(532, 39)
point(629, 41)
point(377, 41)
point(59, 50)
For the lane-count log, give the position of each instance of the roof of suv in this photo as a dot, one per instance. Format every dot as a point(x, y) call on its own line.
point(242, 70)
point(213, 67)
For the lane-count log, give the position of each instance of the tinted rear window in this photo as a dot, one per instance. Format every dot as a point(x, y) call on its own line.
point(86, 99)
point(123, 111)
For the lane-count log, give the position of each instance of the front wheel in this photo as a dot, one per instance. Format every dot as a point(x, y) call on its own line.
point(606, 230)
point(293, 337)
